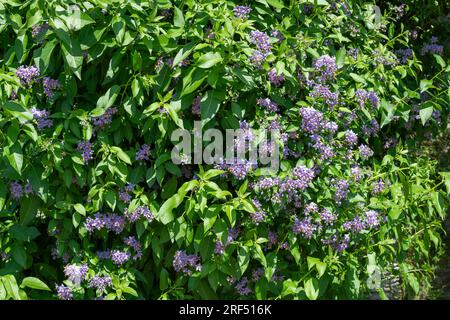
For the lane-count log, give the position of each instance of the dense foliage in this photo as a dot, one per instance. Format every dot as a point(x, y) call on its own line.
point(91, 205)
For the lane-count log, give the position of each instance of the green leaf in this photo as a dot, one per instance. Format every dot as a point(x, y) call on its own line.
point(312, 288)
point(19, 254)
point(243, 259)
point(425, 85)
point(209, 105)
point(208, 60)
point(24, 233)
point(15, 157)
point(275, 3)
point(178, 19)
point(121, 155)
point(425, 114)
point(73, 56)
point(34, 283)
point(105, 101)
point(80, 209)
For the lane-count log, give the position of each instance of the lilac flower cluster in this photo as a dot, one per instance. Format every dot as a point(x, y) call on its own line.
point(28, 75)
point(371, 129)
point(258, 57)
point(261, 40)
point(338, 245)
point(371, 219)
point(363, 95)
point(432, 47)
point(64, 293)
point(304, 227)
point(75, 273)
point(49, 85)
point(356, 173)
point(41, 116)
point(325, 151)
point(311, 119)
point(186, 263)
point(327, 216)
point(378, 187)
point(133, 243)
point(140, 211)
point(268, 104)
point(351, 138)
point(365, 151)
point(277, 34)
point(143, 153)
point(105, 119)
point(239, 168)
point(325, 66)
point(324, 92)
point(341, 190)
point(242, 287)
point(196, 106)
point(275, 78)
point(124, 195)
point(110, 222)
point(16, 190)
point(85, 147)
point(259, 215)
point(39, 30)
point(242, 12)
point(119, 257)
point(232, 235)
point(100, 283)
point(404, 55)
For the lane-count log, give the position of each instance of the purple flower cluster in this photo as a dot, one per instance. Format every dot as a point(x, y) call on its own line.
point(325, 66)
point(371, 219)
point(433, 47)
point(140, 211)
point(38, 30)
point(16, 190)
point(143, 153)
point(259, 215)
point(124, 195)
point(119, 257)
point(49, 85)
point(356, 172)
point(341, 187)
point(133, 243)
point(327, 216)
point(363, 96)
point(85, 147)
point(111, 222)
point(275, 78)
point(75, 273)
point(365, 151)
point(232, 235)
point(324, 92)
point(304, 227)
point(258, 57)
point(351, 138)
point(27, 75)
point(186, 263)
point(239, 169)
point(196, 106)
point(268, 104)
point(41, 116)
point(371, 129)
point(242, 287)
point(242, 12)
point(105, 119)
point(311, 119)
point(100, 283)
point(404, 55)
point(277, 34)
point(338, 245)
point(261, 40)
point(64, 293)
point(378, 187)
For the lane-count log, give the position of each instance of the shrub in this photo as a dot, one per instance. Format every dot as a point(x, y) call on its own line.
point(93, 207)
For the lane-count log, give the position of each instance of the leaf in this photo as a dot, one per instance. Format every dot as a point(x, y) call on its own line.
point(243, 259)
point(208, 60)
point(178, 19)
point(121, 155)
point(425, 85)
point(17, 110)
point(24, 233)
point(105, 101)
point(425, 114)
point(275, 3)
point(357, 78)
point(312, 288)
point(80, 209)
point(209, 106)
point(73, 56)
point(34, 283)
point(19, 254)
point(183, 53)
point(15, 157)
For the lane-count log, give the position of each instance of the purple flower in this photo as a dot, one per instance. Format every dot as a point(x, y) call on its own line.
point(27, 75)
point(404, 55)
point(277, 34)
point(341, 192)
point(356, 225)
point(219, 248)
point(275, 78)
point(133, 243)
point(323, 92)
point(259, 215)
point(50, 85)
point(365, 151)
point(85, 147)
point(372, 219)
point(242, 288)
point(102, 121)
point(268, 104)
point(196, 106)
point(140, 211)
point(41, 116)
point(16, 190)
point(261, 40)
point(258, 57)
point(303, 173)
point(310, 207)
point(311, 119)
point(242, 12)
point(64, 293)
point(100, 283)
point(377, 187)
point(363, 96)
point(38, 30)
point(103, 255)
point(186, 263)
point(75, 273)
point(110, 222)
point(119, 257)
point(143, 153)
point(351, 138)
point(356, 172)
point(304, 227)
point(326, 67)
point(327, 216)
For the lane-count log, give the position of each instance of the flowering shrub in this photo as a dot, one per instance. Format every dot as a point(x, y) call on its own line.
point(92, 207)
